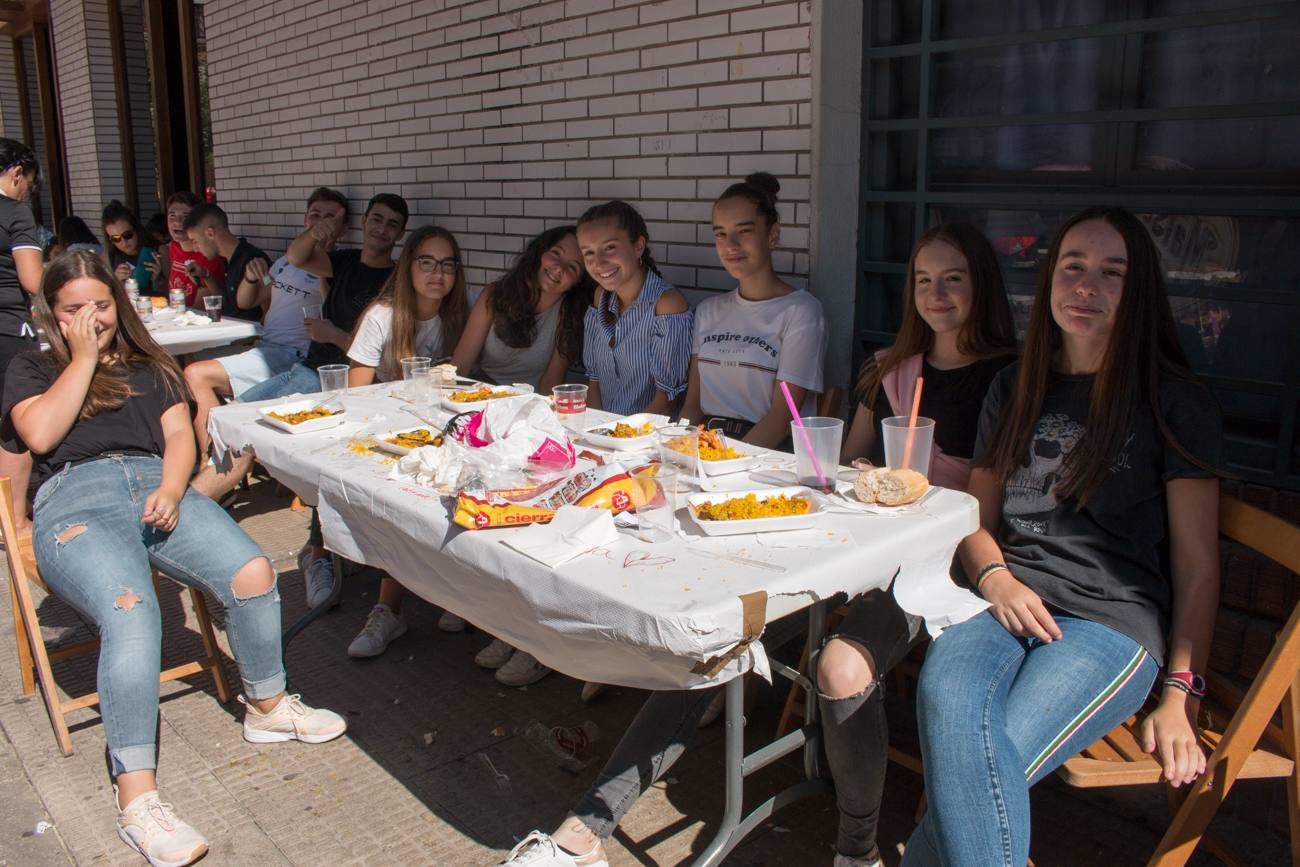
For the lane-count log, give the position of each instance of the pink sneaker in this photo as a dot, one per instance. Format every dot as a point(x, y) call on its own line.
point(291, 720)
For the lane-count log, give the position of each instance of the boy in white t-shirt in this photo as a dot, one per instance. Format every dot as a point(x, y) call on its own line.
point(761, 333)
point(282, 290)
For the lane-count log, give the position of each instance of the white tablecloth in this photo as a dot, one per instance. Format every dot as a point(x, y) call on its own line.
point(184, 339)
point(632, 613)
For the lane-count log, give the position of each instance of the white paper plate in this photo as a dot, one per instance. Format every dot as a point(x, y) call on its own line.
point(382, 443)
point(622, 444)
point(754, 525)
point(453, 406)
point(746, 460)
point(311, 426)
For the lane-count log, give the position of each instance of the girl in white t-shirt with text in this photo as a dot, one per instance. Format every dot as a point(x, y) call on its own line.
point(421, 311)
point(760, 334)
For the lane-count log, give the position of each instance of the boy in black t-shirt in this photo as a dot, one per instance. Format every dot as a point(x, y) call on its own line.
point(209, 231)
point(355, 278)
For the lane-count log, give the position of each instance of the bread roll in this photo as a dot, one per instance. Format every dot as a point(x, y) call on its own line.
point(890, 487)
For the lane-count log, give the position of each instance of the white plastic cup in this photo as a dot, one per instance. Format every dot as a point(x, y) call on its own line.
point(656, 498)
point(819, 467)
point(333, 377)
point(415, 374)
point(311, 311)
point(895, 430)
point(686, 453)
point(570, 404)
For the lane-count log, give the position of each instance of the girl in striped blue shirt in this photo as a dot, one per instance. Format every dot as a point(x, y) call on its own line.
point(637, 333)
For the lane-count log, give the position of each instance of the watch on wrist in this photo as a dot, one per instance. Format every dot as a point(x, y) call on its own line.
point(1188, 681)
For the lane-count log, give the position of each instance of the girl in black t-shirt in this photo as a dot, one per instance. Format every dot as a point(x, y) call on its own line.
point(106, 413)
point(957, 331)
point(1093, 456)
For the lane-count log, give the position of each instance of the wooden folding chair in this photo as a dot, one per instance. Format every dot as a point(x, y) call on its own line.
point(1241, 737)
point(828, 402)
point(33, 656)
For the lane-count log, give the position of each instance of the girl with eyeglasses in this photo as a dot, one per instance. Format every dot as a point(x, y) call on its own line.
point(421, 311)
point(126, 245)
point(527, 326)
point(637, 334)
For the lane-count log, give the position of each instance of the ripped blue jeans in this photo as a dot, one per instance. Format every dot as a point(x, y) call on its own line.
point(94, 553)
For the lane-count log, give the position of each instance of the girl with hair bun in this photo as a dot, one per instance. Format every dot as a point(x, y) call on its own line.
point(760, 334)
point(637, 333)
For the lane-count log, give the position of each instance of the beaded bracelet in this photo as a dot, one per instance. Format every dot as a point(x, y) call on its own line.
point(1184, 686)
point(984, 573)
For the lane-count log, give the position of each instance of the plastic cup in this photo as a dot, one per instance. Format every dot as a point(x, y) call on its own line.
point(679, 444)
point(333, 377)
point(824, 436)
point(570, 404)
point(311, 311)
point(415, 373)
point(895, 430)
point(659, 487)
point(212, 306)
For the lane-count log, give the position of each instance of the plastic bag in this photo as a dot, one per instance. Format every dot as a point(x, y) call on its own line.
point(514, 442)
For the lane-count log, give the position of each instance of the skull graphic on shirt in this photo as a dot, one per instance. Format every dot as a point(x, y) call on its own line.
point(1030, 490)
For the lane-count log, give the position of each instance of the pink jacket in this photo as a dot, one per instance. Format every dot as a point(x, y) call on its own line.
point(899, 385)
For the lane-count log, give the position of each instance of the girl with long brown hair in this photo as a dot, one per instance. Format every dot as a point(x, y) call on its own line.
point(527, 325)
point(106, 415)
point(421, 311)
point(957, 332)
point(1097, 552)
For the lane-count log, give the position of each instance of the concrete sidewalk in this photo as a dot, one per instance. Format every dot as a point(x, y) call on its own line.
point(410, 782)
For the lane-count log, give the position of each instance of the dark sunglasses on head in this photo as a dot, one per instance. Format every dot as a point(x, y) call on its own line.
point(128, 235)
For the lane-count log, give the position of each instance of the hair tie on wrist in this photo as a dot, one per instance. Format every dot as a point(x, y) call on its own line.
point(988, 570)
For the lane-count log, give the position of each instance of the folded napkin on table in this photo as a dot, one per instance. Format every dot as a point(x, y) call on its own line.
point(574, 529)
point(189, 317)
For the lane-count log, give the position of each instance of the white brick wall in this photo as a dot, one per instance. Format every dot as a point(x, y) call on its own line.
point(86, 96)
point(498, 117)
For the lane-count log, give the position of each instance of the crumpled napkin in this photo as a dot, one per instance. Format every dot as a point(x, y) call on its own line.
point(189, 317)
point(574, 529)
point(431, 466)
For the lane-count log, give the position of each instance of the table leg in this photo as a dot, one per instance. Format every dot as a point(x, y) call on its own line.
point(336, 590)
point(734, 828)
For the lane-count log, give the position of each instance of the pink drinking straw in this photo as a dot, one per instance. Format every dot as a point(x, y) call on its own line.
point(803, 432)
point(911, 423)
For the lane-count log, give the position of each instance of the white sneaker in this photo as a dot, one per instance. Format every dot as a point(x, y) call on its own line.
point(319, 577)
point(449, 622)
point(291, 720)
point(539, 850)
point(495, 655)
point(521, 670)
point(590, 690)
point(151, 828)
point(381, 629)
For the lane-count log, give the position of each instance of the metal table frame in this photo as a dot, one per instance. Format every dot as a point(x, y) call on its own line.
point(735, 826)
